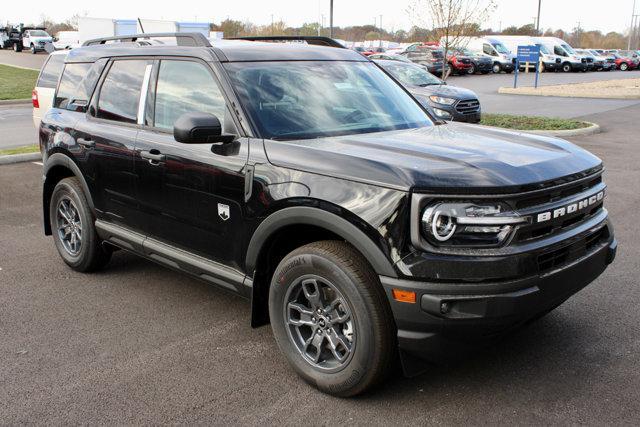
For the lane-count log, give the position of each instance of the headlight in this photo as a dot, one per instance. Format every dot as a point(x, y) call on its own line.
point(442, 100)
point(468, 224)
point(445, 115)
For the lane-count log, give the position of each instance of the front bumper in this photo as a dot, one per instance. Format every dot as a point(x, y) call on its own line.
point(448, 316)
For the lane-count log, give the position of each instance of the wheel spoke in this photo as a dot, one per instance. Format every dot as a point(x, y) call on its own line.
point(338, 345)
point(314, 341)
point(311, 291)
point(304, 315)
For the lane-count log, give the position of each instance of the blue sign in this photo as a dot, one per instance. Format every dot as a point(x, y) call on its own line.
point(529, 53)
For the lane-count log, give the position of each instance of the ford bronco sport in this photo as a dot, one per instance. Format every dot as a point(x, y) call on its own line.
point(309, 181)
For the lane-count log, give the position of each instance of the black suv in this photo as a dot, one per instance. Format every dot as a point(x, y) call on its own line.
point(309, 181)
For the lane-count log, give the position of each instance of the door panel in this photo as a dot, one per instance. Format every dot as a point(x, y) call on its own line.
point(182, 195)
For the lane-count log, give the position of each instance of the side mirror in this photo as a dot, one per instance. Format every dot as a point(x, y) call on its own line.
point(200, 128)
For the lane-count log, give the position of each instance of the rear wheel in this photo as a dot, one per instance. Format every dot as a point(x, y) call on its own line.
point(624, 66)
point(17, 47)
point(73, 229)
point(566, 67)
point(472, 69)
point(496, 68)
point(33, 49)
point(331, 319)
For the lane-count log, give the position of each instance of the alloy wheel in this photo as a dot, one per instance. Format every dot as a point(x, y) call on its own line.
point(319, 323)
point(69, 226)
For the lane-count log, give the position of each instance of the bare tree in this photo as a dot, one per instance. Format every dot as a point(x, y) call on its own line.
point(451, 20)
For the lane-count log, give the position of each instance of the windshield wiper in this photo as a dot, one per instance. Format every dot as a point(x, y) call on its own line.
point(429, 84)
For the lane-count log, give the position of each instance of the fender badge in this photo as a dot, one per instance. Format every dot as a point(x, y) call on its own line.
point(223, 211)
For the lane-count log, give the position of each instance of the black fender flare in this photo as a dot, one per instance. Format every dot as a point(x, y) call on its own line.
point(313, 216)
point(55, 160)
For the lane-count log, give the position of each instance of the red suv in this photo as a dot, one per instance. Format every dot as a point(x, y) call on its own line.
point(459, 64)
point(624, 63)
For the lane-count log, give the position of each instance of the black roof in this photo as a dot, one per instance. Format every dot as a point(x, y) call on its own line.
point(222, 50)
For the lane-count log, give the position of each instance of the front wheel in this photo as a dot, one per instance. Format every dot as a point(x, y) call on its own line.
point(496, 68)
point(17, 47)
point(330, 318)
point(73, 229)
point(33, 49)
point(624, 66)
point(566, 67)
point(472, 69)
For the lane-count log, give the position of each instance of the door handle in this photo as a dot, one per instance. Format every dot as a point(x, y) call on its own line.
point(87, 143)
point(154, 156)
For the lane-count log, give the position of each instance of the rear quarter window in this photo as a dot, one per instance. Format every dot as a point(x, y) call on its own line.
point(50, 73)
point(77, 84)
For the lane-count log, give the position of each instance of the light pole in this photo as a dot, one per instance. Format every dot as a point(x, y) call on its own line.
point(331, 18)
point(631, 29)
point(538, 20)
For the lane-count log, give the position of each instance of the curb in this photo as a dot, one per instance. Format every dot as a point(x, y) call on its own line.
point(15, 102)
point(504, 90)
point(593, 129)
point(590, 130)
point(19, 158)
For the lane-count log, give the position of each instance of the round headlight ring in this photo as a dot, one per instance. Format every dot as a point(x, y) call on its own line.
point(442, 226)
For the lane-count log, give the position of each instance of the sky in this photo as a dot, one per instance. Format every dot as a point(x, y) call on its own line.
point(565, 14)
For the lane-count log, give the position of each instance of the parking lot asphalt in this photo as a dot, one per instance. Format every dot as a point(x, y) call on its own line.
point(16, 126)
point(486, 87)
point(138, 343)
point(24, 59)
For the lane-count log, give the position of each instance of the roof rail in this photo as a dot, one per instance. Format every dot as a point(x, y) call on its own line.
point(314, 40)
point(183, 39)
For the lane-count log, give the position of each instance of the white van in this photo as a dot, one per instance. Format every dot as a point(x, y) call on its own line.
point(42, 94)
point(570, 60)
point(503, 59)
point(550, 61)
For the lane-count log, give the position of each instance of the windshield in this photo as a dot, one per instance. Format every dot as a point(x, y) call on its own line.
point(501, 48)
point(410, 74)
point(568, 49)
point(312, 99)
point(543, 49)
point(38, 33)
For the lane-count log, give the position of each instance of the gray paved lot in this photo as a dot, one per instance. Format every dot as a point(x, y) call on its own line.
point(486, 86)
point(141, 344)
point(24, 59)
point(16, 126)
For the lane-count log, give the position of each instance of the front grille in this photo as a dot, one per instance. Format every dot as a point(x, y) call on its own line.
point(555, 197)
point(468, 106)
point(571, 252)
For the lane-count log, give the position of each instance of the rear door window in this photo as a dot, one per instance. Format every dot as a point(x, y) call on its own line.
point(120, 93)
point(51, 71)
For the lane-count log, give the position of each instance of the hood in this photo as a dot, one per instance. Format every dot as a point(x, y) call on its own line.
point(453, 158)
point(443, 90)
point(41, 39)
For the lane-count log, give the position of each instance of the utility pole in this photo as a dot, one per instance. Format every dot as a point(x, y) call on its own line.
point(579, 31)
point(381, 30)
point(331, 18)
point(272, 29)
point(631, 29)
point(538, 20)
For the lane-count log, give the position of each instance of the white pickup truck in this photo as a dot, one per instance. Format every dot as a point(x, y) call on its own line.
point(36, 40)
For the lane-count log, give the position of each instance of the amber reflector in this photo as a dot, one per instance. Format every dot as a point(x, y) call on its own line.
point(404, 296)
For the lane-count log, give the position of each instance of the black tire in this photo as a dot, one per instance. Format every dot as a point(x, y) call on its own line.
point(33, 49)
point(91, 255)
point(566, 67)
point(372, 344)
point(624, 66)
point(496, 68)
point(472, 69)
point(17, 47)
